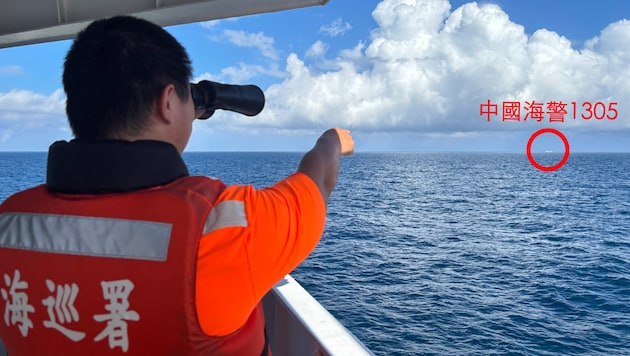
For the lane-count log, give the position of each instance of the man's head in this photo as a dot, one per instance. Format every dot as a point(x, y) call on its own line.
point(116, 75)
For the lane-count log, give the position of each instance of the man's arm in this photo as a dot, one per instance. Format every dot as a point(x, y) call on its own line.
point(321, 163)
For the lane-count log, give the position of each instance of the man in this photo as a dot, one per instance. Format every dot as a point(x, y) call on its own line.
point(121, 251)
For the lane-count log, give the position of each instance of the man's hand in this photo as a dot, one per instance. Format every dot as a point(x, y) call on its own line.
point(346, 142)
point(321, 163)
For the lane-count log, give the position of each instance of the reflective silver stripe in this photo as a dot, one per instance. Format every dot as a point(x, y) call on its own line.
point(228, 213)
point(90, 236)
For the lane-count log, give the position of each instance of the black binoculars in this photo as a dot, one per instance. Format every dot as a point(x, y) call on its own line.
point(244, 99)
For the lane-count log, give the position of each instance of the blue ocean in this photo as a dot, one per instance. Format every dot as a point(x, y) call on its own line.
point(456, 253)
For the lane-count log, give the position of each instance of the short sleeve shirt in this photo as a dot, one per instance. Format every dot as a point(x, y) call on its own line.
point(258, 237)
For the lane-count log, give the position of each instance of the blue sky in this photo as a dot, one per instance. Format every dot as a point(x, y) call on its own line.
point(403, 75)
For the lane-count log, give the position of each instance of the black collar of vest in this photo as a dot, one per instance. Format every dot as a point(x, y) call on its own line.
point(111, 166)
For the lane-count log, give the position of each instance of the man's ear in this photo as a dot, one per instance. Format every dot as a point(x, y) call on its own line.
point(164, 105)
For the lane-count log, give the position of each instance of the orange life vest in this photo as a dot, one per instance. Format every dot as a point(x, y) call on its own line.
point(110, 274)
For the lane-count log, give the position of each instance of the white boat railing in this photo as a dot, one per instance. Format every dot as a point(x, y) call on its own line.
point(297, 324)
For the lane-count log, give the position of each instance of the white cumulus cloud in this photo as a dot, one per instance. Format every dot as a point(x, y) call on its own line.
point(36, 104)
point(241, 73)
point(259, 40)
point(336, 28)
point(11, 70)
point(318, 49)
point(428, 69)
point(23, 110)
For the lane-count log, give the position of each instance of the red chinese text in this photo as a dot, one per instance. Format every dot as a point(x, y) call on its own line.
point(554, 111)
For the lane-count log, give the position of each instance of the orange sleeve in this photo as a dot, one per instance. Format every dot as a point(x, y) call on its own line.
point(240, 262)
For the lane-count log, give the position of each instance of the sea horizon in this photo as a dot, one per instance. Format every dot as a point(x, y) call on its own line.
point(442, 253)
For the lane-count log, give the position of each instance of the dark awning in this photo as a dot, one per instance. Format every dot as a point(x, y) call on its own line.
point(33, 21)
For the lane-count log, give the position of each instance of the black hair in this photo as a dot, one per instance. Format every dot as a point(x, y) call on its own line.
point(115, 71)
